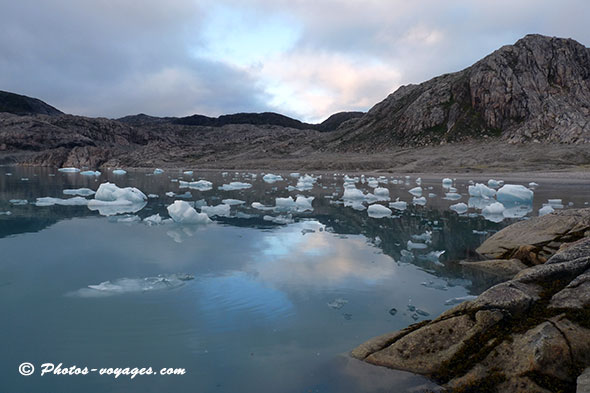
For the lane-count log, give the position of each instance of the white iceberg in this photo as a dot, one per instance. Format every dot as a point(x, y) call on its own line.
point(410, 245)
point(188, 173)
point(18, 202)
point(416, 191)
point(494, 208)
point(110, 199)
point(515, 193)
point(305, 183)
point(200, 185)
point(90, 173)
point(452, 196)
point(460, 208)
point(232, 202)
point(153, 220)
point(382, 193)
point(235, 185)
point(447, 182)
point(419, 201)
point(270, 178)
point(494, 183)
point(183, 213)
point(49, 201)
point(79, 191)
point(398, 205)
point(158, 171)
point(353, 194)
point(481, 191)
point(221, 210)
point(68, 170)
point(119, 172)
point(378, 211)
point(260, 206)
point(546, 210)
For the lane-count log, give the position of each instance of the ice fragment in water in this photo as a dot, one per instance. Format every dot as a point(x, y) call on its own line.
point(425, 237)
point(200, 185)
point(232, 202)
point(221, 210)
point(419, 201)
point(494, 208)
point(416, 191)
point(49, 201)
point(546, 210)
point(235, 185)
point(514, 193)
point(337, 303)
point(69, 170)
point(153, 220)
point(481, 191)
point(119, 172)
point(415, 246)
point(79, 191)
point(447, 182)
point(399, 205)
point(90, 173)
point(158, 171)
point(270, 178)
point(18, 202)
point(432, 256)
point(452, 196)
point(183, 213)
point(378, 211)
point(459, 207)
point(494, 183)
point(188, 173)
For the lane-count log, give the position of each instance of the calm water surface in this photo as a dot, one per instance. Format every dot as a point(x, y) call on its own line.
point(272, 307)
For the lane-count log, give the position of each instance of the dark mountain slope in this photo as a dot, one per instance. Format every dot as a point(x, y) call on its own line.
point(23, 105)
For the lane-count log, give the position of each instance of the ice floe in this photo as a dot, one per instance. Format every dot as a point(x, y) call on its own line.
point(200, 185)
point(271, 178)
point(49, 201)
point(18, 202)
point(90, 173)
point(546, 210)
point(123, 286)
point(158, 171)
point(378, 211)
point(79, 191)
point(110, 200)
point(119, 172)
point(235, 185)
point(494, 208)
point(514, 193)
point(68, 170)
point(481, 191)
point(153, 220)
point(416, 191)
point(410, 245)
point(419, 201)
point(398, 205)
point(221, 210)
point(459, 207)
point(182, 212)
point(233, 202)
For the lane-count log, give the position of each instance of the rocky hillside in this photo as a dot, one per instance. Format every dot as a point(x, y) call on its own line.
point(23, 105)
point(535, 90)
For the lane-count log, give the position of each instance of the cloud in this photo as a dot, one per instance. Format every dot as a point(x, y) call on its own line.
point(307, 59)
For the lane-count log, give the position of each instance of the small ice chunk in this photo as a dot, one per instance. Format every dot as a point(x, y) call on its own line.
point(49, 201)
point(406, 256)
point(378, 211)
point(447, 182)
point(433, 257)
point(425, 237)
point(415, 246)
point(153, 220)
point(183, 213)
point(6, 213)
point(232, 202)
point(398, 205)
point(129, 219)
point(305, 183)
point(493, 183)
point(221, 210)
point(188, 173)
point(235, 185)
point(79, 191)
point(337, 303)
point(494, 208)
point(153, 196)
point(533, 184)
point(119, 172)
point(353, 194)
point(452, 196)
point(460, 208)
point(279, 219)
point(514, 193)
point(416, 191)
point(260, 206)
point(200, 185)
point(419, 201)
point(90, 173)
point(294, 174)
point(270, 178)
point(18, 202)
point(158, 171)
point(68, 170)
point(546, 210)
point(381, 192)
point(555, 203)
point(457, 300)
point(303, 203)
point(110, 192)
point(481, 191)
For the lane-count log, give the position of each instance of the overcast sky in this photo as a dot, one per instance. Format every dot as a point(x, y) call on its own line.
point(306, 59)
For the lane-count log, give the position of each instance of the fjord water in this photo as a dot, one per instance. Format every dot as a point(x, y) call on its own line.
point(272, 307)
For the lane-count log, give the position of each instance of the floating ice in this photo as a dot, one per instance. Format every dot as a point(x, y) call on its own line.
point(533, 184)
point(232, 202)
point(479, 203)
point(79, 191)
point(459, 207)
point(452, 196)
point(188, 173)
point(494, 208)
point(18, 202)
point(406, 256)
point(337, 303)
point(119, 172)
point(373, 183)
point(260, 206)
point(494, 183)
point(68, 170)
point(200, 185)
point(353, 194)
point(419, 201)
point(416, 191)
point(447, 182)
point(514, 193)
point(221, 210)
point(6, 213)
point(158, 171)
point(432, 256)
point(270, 178)
point(109, 192)
point(555, 203)
point(128, 219)
point(153, 196)
point(425, 237)
point(279, 219)
point(303, 203)
point(130, 285)
point(517, 211)
point(294, 174)
point(235, 185)
point(153, 220)
point(415, 246)
point(305, 183)
point(378, 211)
point(183, 213)
point(481, 191)
point(90, 173)
point(546, 210)
point(381, 193)
point(457, 300)
point(49, 201)
point(398, 205)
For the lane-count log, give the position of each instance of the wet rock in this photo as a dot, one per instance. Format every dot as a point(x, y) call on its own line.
point(504, 268)
point(583, 382)
point(528, 237)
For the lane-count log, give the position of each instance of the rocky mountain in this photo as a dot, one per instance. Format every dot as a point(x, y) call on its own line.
point(535, 90)
point(23, 105)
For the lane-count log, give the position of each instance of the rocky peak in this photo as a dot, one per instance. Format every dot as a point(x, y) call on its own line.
point(535, 90)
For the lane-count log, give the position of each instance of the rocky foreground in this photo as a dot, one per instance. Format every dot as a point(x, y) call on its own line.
point(528, 334)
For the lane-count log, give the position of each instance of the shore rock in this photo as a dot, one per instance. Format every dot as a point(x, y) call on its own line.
point(529, 334)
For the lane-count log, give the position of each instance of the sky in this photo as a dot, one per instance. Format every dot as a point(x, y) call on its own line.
point(305, 59)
